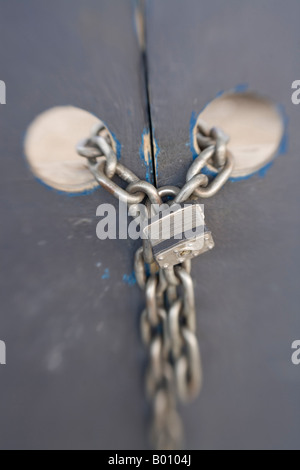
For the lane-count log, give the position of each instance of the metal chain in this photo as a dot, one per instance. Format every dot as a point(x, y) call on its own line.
point(168, 322)
point(168, 329)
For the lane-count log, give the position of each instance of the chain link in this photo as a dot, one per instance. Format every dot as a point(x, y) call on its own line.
point(214, 155)
point(168, 330)
point(168, 322)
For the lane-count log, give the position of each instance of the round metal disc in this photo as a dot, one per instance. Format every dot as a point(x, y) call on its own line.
point(50, 148)
point(253, 124)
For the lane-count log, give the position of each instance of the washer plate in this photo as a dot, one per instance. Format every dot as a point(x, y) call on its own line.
point(50, 148)
point(254, 125)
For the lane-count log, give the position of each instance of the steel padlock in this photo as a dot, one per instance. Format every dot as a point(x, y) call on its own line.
point(178, 233)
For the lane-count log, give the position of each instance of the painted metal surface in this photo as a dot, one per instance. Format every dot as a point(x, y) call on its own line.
point(69, 305)
point(73, 375)
point(247, 288)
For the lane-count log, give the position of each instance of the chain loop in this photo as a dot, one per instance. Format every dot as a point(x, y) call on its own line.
point(89, 149)
point(107, 151)
point(189, 309)
point(191, 187)
point(168, 322)
point(113, 188)
point(189, 369)
point(218, 182)
point(168, 327)
point(200, 162)
point(147, 188)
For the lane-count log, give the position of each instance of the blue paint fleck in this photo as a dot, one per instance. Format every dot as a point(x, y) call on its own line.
point(282, 148)
point(263, 171)
point(60, 192)
point(220, 93)
point(193, 121)
point(106, 274)
point(117, 142)
point(241, 88)
point(284, 144)
point(129, 279)
point(157, 151)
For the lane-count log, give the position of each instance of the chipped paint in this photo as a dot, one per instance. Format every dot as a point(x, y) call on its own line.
point(82, 221)
point(129, 279)
point(146, 155)
point(106, 274)
point(156, 151)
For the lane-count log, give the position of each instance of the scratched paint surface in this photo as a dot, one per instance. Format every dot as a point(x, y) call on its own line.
point(146, 151)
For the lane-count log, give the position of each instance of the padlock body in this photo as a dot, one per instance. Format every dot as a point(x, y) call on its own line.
point(178, 234)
